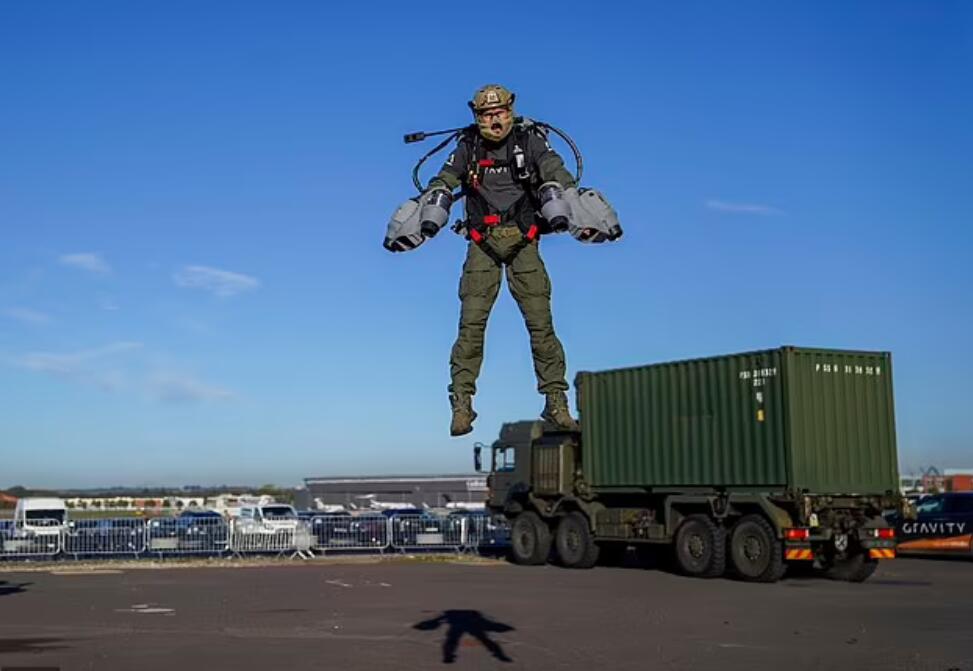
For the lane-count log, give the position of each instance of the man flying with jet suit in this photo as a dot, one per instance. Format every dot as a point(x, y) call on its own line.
point(514, 184)
point(503, 204)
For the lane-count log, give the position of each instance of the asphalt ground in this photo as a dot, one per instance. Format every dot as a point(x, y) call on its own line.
point(330, 614)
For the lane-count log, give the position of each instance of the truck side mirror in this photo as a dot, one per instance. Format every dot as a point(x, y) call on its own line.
point(477, 461)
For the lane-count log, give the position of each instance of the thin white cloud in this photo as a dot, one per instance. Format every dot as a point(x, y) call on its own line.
point(88, 261)
point(222, 283)
point(108, 369)
point(180, 388)
point(27, 316)
point(743, 208)
point(86, 366)
point(107, 304)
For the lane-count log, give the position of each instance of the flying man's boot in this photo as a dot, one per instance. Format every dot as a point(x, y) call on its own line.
point(463, 414)
point(556, 411)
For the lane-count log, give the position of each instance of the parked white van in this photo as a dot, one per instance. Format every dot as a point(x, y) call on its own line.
point(267, 519)
point(42, 516)
point(37, 526)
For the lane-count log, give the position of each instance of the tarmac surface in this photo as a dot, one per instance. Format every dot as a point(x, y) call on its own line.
point(330, 614)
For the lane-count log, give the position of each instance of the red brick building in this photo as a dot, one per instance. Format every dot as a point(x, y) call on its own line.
point(959, 482)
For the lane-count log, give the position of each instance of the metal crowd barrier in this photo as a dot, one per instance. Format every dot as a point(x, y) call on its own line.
point(187, 535)
point(486, 534)
point(427, 532)
point(41, 540)
point(122, 536)
point(192, 535)
point(274, 536)
point(346, 533)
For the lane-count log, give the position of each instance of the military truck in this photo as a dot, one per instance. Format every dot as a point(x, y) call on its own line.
point(739, 464)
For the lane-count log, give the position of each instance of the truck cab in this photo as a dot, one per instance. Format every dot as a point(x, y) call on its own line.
point(509, 460)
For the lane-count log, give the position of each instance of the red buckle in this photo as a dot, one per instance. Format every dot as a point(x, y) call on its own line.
point(486, 163)
point(475, 236)
point(532, 232)
point(491, 219)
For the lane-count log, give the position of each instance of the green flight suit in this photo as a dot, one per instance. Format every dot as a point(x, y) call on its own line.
point(531, 288)
point(505, 247)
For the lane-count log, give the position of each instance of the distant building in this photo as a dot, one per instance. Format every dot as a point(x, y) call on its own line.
point(420, 491)
point(958, 479)
point(942, 480)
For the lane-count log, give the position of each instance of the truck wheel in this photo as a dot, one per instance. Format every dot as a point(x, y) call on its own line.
point(700, 548)
point(530, 540)
point(853, 568)
point(755, 553)
point(575, 546)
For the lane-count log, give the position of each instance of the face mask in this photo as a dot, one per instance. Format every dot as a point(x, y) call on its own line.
point(495, 126)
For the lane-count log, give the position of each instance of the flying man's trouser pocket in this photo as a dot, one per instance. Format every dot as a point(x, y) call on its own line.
point(478, 288)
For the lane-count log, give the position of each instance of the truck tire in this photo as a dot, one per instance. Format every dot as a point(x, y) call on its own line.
point(530, 540)
point(853, 568)
point(700, 547)
point(755, 553)
point(575, 546)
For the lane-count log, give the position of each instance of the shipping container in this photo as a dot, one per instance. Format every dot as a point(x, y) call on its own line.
point(808, 420)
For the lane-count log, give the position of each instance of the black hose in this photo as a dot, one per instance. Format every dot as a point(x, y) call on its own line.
point(437, 148)
point(579, 161)
point(456, 132)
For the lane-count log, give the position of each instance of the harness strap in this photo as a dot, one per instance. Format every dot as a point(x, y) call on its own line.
point(478, 160)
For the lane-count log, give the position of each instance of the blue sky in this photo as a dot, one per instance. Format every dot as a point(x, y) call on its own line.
point(193, 197)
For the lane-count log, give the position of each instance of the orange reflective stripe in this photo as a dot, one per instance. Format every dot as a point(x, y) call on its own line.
point(881, 553)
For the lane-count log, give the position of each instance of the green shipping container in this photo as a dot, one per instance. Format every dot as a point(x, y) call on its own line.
point(789, 419)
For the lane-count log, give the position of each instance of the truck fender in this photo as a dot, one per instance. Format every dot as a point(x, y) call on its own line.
point(741, 504)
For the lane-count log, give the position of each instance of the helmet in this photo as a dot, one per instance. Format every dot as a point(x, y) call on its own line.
point(491, 98)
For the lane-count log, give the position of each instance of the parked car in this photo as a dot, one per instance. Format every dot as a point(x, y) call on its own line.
point(419, 528)
point(201, 530)
point(270, 519)
point(943, 525)
point(482, 527)
point(104, 536)
point(194, 530)
point(199, 518)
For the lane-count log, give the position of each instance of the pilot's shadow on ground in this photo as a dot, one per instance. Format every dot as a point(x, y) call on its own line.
point(7, 588)
point(462, 622)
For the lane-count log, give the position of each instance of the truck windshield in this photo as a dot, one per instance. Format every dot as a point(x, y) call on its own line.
point(504, 459)
point(278, 511)
point(57, 515)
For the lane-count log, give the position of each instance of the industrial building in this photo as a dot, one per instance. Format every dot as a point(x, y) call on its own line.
point(420, 491)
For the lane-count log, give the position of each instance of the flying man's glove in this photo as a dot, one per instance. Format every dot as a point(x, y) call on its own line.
point(593, 219)
point(404, 232)
point(418, 219)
